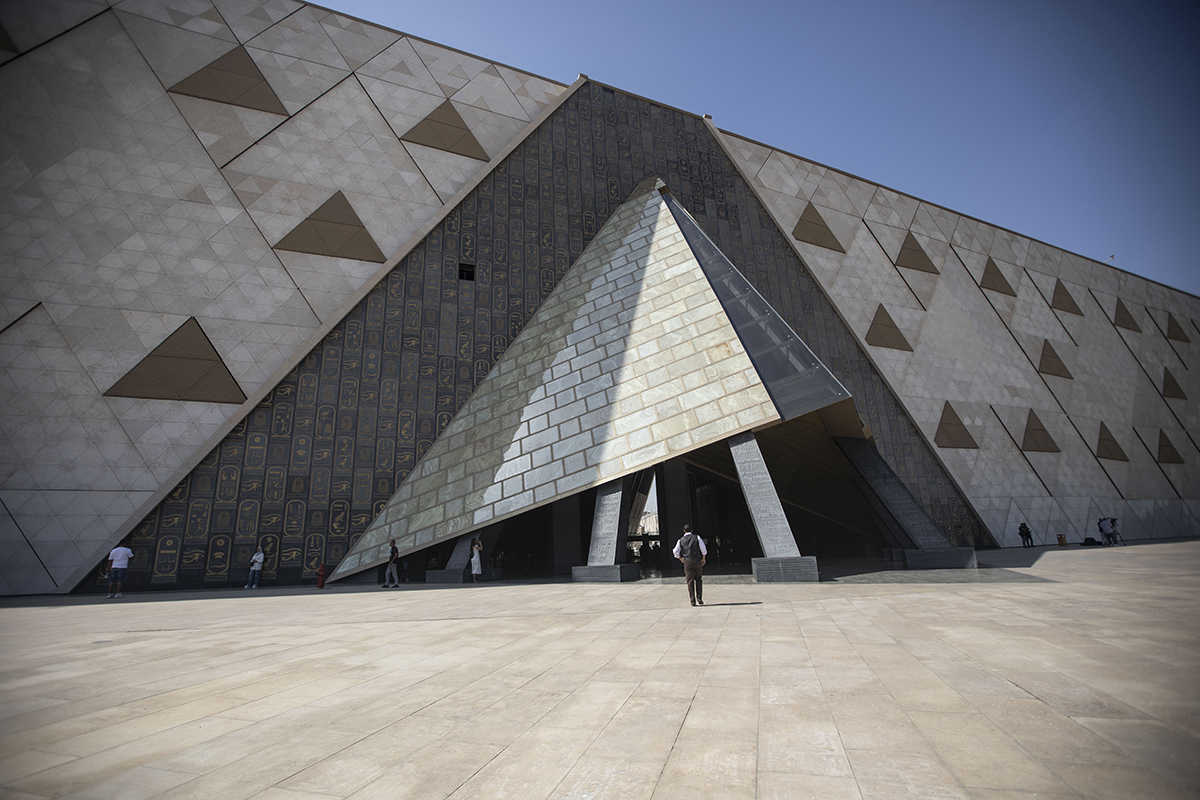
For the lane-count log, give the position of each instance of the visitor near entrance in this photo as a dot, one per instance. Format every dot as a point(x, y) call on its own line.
point(1108, 531)
point(256, 565)
point(390, 578)
point(118, 567)
point(476, 559)
point(691, 551)
point(1026, 535)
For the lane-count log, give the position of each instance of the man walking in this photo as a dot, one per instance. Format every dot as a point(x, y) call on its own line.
point(390, 578)
point(118, 566)
point(691, 551)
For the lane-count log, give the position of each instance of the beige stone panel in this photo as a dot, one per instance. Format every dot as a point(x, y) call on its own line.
point(748, 155)
point(339, 143)
point(709, 770)
point(174, 53)
point(844, 193)
point(357, 42)
point(1113, 782)
point(533, 93)
point(604, 778)
point(787, 785)
point(403, 107)
point(225, 131)
point(971, 234)
point(892, 208)
point(401, 66)
point(446, 172)
point(885, 775)
point(875, 722)
point(451, 69)
point(295, 81)
point(790, 176)
point(934, 222)
point(489, 91)
point(1043, 258)
point(493, 131)
point(248, 18)
point(1010, 247)
point(301, 35)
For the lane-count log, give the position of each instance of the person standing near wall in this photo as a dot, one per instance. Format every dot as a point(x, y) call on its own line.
point(118, 567)
point(256, 565)
point(476, 560)
point(691, 551)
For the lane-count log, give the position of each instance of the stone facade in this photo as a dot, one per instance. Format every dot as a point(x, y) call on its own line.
point(235, 165)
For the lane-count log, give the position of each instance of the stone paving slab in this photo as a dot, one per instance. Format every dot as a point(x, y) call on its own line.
point(1056, 673)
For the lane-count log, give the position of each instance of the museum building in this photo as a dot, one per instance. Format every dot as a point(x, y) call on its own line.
point(274, 276)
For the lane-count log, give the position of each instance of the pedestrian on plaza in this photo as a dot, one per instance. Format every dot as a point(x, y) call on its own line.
point(476, 559)
point(256, 565)
point(1026, 535)
point(1107, 531)
point(404, 570)
point(691, 551)
point(390, 577)
point(118, 567)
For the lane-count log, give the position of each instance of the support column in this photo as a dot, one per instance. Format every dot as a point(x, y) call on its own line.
point(782, 561)
point(607, 554)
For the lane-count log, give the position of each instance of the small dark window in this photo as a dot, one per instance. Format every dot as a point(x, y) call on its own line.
point(466, 272)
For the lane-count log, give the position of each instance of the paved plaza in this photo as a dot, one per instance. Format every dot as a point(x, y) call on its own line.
point(1051, 673)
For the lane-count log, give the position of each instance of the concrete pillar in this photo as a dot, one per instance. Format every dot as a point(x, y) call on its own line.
point(606, 556)
point(782, 561)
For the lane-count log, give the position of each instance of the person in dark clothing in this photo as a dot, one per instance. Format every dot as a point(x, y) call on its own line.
point(691, 551)
point(390, 577)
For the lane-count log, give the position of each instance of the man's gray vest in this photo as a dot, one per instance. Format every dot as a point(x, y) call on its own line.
point(689, 547)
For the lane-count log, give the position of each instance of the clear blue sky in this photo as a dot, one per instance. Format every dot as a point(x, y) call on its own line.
point(1077, 123)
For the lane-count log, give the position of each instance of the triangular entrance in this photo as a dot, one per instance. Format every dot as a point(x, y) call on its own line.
point(1123, 319)
point(1167, 454)
point(1171, 387)
point(649, 348)
point(1108, 447)
point(333, 230)
point(235, 79)
point(812, 229)
point(444, 129)
point(913, 256)
point(1037, 439)
point(1051, 364)
point(952, 433)
point(1062, 300)
point(884, 333)
point(185, 366)
point(994, 279)
point(1175, 330)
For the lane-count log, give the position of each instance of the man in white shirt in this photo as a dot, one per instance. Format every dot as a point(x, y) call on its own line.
point(256, 565)
point(118, 566)
point(691, 551)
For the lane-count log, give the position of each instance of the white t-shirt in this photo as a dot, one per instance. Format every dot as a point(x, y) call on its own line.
point(256, 561)
point(120, 557)
point(1106, 526)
